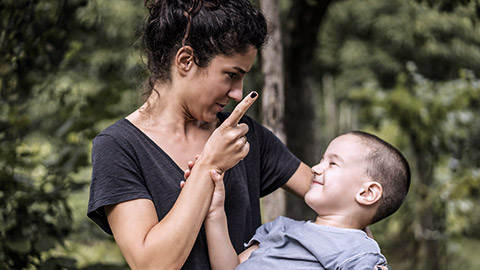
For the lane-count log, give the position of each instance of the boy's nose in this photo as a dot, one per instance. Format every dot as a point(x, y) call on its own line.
point(318, 169)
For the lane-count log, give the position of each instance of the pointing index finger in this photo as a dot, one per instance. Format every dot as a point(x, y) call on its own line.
point(240, 109)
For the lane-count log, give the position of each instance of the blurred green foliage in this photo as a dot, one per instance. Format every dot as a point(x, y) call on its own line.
point(405, 70)
point(68, 69)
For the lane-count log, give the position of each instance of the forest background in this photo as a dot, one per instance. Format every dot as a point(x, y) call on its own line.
point(406, 70)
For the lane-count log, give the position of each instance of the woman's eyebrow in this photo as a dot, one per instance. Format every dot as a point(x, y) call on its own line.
point(241, 70)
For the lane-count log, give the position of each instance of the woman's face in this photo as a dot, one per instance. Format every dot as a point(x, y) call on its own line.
point(211, 88)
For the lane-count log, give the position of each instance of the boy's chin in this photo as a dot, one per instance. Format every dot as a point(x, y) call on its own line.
point(310, 200)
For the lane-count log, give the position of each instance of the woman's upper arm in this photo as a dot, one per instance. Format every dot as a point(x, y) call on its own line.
point(148, 243)
point(300, 181)
point(130, 222)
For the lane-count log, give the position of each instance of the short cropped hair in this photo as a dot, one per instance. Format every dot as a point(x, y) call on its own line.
point(386, 165)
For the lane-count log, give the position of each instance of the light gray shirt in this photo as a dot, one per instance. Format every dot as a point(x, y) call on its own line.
point(289, 244)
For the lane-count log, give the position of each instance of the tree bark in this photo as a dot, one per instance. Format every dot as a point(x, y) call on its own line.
point(273, 205)
point(430, 228)
point(302, 26)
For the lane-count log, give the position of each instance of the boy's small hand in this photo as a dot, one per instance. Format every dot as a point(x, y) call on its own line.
point(218, 198)
point(188, 171)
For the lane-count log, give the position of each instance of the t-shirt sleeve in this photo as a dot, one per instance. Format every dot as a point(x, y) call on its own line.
point(116, 177)
point(260, 234)
point(279, 224)
point(278, 164)
point(364, 261)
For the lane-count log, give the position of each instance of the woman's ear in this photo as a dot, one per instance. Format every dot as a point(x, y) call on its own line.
point(184, 60)
point(370, 193)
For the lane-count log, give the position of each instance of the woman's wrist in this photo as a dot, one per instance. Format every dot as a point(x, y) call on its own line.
point(207, 164)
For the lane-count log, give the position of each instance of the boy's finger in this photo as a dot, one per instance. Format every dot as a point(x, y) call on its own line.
point(186, 174)
point(216, 177)
point(190, 164)
point(240, 110)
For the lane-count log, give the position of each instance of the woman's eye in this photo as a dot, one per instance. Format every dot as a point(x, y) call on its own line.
point(333, 163)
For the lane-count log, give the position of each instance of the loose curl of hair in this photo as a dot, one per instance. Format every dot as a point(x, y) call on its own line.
point(209, 27)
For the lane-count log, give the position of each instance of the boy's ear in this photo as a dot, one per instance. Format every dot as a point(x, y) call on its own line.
point(370, 193)
point(184, 60)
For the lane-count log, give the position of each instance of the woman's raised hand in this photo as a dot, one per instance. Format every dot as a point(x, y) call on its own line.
point(228, 145)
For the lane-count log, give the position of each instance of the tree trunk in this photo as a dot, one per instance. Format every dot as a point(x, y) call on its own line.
point(273, 205)
point(430, 227)
point(302, 26)
point(331, 113)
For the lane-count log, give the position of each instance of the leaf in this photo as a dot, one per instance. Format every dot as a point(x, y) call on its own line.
point(20, 245)
point(44, 243)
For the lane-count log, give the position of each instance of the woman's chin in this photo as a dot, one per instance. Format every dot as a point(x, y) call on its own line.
point(209, 118)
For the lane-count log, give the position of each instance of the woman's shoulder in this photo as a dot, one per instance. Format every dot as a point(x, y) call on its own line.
point(120, 129)
point(116, 128)
point(120, 132)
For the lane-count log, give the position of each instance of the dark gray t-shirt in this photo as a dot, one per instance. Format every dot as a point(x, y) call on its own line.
point(289, 244)
point(128, 165)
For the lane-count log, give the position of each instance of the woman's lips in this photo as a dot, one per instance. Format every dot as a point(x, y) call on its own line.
point(221, 106)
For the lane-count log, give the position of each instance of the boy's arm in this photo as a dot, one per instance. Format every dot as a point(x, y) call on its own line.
point(220, 250)
point(246, 253)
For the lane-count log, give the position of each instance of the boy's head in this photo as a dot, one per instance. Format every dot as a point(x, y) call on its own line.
point(359, 171)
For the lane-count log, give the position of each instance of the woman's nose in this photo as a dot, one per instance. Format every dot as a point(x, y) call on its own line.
point(236, 93)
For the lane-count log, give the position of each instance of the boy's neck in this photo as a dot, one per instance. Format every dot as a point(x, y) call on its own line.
point(348, 222)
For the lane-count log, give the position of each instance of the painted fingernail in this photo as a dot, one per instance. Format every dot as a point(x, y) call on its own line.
point(253, 94)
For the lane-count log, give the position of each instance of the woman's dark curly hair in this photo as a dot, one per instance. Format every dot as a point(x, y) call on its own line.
point(209, 27)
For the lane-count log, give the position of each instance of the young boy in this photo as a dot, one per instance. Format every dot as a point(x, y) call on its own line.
point(360, 180)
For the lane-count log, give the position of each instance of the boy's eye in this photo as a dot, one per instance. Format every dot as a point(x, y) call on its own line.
point(333, 163)
point(231, 74)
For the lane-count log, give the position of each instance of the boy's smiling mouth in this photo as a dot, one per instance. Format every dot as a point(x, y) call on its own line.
point(317, 180)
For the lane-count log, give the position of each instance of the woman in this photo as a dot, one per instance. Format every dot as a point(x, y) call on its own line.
point(198, 53)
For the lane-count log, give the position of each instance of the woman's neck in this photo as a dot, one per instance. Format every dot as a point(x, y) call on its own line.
point(159, 115)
